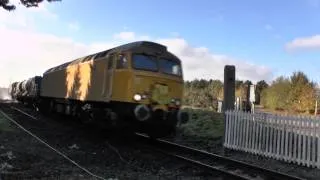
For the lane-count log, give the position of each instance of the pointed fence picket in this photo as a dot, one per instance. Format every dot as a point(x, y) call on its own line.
point(292, 139)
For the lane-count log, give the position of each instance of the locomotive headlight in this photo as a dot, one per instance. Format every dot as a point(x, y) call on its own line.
point(137, 97)
point(178, 102)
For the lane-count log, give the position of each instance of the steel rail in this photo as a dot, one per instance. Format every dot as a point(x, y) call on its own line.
point(45, 143)
point(228, 165)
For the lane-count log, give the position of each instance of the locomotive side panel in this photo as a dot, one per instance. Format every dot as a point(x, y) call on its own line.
point(121, 77)
point(97, 86)
point(53, 84)
point(122, 86)
point(84, 81)
point(78, 81)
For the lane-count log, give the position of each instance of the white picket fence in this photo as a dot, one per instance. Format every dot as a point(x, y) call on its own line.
point(289, 138)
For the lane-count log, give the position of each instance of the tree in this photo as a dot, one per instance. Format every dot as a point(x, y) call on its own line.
point(302, 94)
point(5, 4)
point(203, 93)
point(294, 94)
point(238, 84)
point(260, 86)
point(276, 96)
point(248, 82)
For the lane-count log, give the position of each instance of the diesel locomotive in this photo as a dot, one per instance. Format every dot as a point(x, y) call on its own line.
point(139, 84)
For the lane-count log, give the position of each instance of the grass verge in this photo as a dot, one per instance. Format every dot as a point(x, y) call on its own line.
point(203, 124)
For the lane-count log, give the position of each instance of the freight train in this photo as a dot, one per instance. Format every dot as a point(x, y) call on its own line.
point(138, 84)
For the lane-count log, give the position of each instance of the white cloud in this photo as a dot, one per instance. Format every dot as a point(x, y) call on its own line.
point(74, 26)
point(304, 43)
point(127, 36)
point(130, 36)
point(198, 62)
point(26, 52)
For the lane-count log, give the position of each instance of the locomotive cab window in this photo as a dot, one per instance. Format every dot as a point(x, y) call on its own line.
point(144, 62)
point(122, 62)
point(170, 67)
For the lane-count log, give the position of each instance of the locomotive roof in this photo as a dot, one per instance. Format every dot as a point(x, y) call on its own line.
point(128, 46)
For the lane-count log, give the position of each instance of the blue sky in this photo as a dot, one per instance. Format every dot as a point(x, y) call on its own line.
point(263, 33)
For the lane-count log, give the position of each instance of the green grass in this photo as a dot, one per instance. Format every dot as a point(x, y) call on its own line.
point(4, 124)
point(203, 124)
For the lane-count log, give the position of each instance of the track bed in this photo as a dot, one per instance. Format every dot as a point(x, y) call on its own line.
point(104, 154)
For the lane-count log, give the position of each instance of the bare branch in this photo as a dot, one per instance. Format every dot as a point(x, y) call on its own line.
point(5, 4)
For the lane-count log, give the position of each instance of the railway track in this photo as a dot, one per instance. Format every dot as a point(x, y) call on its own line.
point(229, 168)
point(31, 121)
point(222, 166)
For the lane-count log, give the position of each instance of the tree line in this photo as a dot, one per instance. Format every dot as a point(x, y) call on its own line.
point(296, 93)
point(206, 93)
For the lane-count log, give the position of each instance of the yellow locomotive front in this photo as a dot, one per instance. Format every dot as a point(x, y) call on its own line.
point(150, 83)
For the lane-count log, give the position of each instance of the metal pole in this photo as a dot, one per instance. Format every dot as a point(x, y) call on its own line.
point(316, 108)
point(252, 107)
point(229, 88)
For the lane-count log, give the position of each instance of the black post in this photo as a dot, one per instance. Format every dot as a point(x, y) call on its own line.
point(229, 92)
point(229, 87)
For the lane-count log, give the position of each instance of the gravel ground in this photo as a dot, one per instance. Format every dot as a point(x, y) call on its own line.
point(24, 157)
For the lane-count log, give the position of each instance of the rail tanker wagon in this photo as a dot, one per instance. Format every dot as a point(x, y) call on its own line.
point(19, 91)
point(31, 90)
point(137, 83)
point(27, 91)
point(12, 90)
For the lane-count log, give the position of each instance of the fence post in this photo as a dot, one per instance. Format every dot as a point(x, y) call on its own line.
point(229, 94)
point(229, 87)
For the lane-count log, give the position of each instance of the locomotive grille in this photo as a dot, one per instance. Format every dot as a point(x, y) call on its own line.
point(160, 94)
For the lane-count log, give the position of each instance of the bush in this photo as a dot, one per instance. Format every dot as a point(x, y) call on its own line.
point(203, 124)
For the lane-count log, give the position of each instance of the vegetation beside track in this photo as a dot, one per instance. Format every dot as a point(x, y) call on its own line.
point(203, 124)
